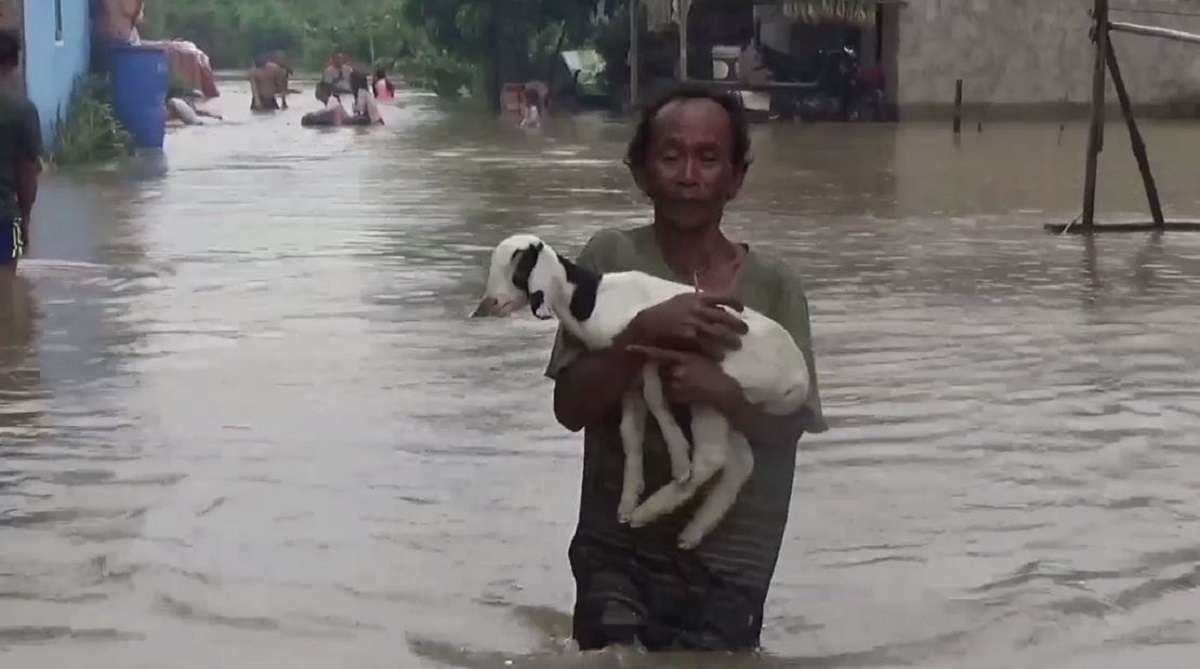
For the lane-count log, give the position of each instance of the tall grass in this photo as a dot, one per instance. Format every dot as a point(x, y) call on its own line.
point(90, 132)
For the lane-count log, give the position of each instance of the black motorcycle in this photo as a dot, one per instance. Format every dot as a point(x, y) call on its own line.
point(834, 92)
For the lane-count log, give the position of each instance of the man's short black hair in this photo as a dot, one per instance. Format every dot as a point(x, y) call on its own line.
point(10, 47)
point(739, 127)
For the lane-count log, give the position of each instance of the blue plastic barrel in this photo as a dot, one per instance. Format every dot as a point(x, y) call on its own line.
point(140, 79)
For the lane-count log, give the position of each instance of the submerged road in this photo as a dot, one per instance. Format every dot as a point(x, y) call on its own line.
point(244, 421)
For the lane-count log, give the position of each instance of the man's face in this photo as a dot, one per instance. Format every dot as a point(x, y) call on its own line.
point(690, 173)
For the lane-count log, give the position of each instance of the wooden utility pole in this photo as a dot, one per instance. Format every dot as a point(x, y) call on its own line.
point(635, 32)
point(685, 7)
point(1096, 134)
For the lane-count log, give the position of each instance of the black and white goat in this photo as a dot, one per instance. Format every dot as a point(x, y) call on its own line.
point(772, 371)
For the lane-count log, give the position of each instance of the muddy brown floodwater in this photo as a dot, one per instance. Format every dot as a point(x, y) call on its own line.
point(246, 423)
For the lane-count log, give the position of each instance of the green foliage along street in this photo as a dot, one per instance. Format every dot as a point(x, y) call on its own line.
point(442, 45)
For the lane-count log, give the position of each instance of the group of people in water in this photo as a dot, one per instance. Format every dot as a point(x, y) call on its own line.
point(341, 81)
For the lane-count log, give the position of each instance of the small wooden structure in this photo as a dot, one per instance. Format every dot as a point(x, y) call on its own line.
point(1106, 62)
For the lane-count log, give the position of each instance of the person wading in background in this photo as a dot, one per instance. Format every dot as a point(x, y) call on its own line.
point(269, 82)
point(21, 155)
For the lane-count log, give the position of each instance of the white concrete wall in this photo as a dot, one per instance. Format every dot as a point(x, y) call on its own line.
point(1031, 52)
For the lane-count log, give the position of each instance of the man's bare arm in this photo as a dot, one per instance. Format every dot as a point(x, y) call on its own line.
point(698, 379)
point(29, 165)
point(764, 428)
point(593, 385)
point(27, 186)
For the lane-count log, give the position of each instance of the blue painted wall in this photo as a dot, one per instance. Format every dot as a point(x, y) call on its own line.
point(54, 62)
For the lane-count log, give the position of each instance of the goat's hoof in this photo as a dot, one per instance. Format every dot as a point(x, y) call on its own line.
point(682, 475)
point(625, 510)
point(687, 543)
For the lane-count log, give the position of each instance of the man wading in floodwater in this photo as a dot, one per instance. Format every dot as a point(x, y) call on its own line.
point(21, 155)
point(690, 156)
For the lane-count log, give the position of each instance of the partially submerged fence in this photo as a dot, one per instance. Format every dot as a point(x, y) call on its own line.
point(1106, 64)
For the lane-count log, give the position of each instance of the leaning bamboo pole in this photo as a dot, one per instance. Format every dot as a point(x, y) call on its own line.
point(1135, 139)
point(1154, 31)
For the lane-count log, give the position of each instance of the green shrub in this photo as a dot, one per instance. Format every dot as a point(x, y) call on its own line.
point(90, 132)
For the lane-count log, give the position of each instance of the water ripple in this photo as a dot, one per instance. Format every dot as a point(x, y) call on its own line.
point(244, 420)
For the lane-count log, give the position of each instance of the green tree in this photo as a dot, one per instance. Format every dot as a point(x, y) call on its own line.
point(445, 45)
point(506, 40)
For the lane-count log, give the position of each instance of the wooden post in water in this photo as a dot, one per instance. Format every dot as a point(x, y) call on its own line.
point(958, 106)
point(1096, 134)
point(635, 32)
point(1135, 138)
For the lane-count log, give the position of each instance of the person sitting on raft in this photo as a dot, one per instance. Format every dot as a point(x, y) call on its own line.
point(364, 103)
point(333, 113)
point(338, 72)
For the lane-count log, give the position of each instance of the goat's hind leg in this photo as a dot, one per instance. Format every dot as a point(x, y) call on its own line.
point(710, 430)
point(633, 433)
point(678, 447)
point(724, 493)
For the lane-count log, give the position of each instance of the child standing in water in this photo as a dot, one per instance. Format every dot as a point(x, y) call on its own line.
point(531, 110)
point(384, 90)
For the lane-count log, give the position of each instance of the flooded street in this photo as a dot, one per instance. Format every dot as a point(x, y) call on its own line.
point(245, 422)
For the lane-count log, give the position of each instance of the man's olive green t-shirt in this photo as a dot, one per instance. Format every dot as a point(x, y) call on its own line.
point(745, 546)
point(20, 141)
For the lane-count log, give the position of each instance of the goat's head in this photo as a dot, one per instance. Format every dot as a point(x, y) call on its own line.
point(523, 271)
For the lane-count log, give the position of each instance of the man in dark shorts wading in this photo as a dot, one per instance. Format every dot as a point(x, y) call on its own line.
point(20, 156)
point(689, 155)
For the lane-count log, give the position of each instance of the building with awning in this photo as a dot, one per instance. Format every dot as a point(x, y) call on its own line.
point(718, 29)
point(1016, 58)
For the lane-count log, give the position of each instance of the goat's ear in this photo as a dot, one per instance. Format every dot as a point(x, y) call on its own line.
point(526, 259)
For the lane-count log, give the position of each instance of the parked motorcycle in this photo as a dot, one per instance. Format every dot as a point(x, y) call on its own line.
point(837, 90)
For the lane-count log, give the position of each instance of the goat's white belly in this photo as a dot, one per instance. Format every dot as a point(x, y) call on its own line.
point(771, 369)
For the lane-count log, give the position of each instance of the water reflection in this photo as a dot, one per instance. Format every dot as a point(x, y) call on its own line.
point(19, 373)
point(258, 428)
